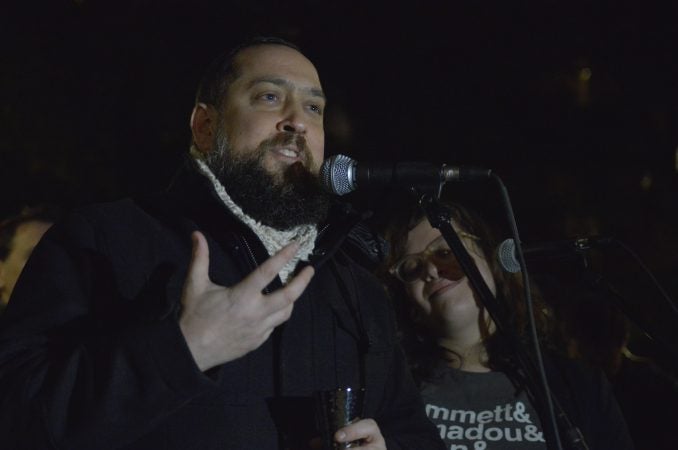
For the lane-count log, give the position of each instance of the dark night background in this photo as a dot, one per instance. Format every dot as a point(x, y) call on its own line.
point(574, 104)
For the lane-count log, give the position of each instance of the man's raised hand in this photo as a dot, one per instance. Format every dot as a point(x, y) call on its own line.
point(220, 323)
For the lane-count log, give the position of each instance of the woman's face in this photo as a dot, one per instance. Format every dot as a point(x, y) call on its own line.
point(442, 292)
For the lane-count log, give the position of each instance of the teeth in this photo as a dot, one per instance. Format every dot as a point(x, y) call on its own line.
point(288, 152)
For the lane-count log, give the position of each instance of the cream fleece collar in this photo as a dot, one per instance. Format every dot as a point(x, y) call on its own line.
point(272, 238)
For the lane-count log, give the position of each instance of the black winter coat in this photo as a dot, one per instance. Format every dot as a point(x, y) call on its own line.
point(92, 357)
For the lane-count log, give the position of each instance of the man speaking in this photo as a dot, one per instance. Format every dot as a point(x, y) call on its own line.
point(206, 317)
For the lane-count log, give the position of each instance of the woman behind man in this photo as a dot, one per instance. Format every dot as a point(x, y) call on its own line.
point(465, 371)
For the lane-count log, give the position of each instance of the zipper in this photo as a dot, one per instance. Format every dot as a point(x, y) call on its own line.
point(253, 260)
point(322, 230)
point(277, 341)
point(319, 251)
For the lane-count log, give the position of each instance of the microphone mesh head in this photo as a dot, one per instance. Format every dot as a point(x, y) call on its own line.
point(506, 254)
point(334, 174)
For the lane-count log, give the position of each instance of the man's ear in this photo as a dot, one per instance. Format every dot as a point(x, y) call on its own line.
point(203, 126)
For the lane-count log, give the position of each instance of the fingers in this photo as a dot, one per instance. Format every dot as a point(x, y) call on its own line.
point(264, 274)
point(298, 284)
point(198, 268)
point(294, 288)
point(365, 430)
point(276, 307)
point(281, 301)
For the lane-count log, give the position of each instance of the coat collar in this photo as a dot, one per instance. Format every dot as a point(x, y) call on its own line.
point(192, 195)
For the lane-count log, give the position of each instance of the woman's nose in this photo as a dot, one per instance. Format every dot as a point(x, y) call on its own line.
point(430, 271)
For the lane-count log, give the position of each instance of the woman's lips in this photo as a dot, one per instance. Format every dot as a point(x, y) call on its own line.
point(441, 287)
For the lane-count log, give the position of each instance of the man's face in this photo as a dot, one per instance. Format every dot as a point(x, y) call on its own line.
point(268, 144)
point(25, 238)
point(273, 110)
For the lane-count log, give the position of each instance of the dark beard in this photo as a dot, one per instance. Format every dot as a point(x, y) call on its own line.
point(294, 197)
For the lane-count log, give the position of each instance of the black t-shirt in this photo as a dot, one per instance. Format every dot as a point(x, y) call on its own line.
point(481, 411)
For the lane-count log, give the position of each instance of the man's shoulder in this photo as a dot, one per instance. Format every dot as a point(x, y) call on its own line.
point(185, 193)
point(119, 213)
point(107, 210)
point(115, 222)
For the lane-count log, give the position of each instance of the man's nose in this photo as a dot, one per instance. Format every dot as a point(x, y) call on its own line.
point(293, 120)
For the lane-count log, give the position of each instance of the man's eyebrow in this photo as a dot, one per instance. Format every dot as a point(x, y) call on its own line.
point(315, 92)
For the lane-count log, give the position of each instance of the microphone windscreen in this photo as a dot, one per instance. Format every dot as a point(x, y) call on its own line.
point(335, 174)
point(506, 255)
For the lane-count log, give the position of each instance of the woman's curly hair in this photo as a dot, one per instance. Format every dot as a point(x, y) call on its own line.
point(424, 353)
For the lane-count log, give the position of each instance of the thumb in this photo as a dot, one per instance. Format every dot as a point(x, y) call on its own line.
point(198, 268)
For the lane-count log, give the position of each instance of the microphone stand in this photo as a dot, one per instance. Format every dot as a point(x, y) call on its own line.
point(526, 366)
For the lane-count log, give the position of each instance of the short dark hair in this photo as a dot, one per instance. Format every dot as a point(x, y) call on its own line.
point(221, 72)
point(8, 227)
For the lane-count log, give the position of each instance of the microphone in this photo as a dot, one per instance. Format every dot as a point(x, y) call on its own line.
point(340, 174)
point(506, 251)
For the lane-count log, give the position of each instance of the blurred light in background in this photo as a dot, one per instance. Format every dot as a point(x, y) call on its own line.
point(585, 74)
point(646, 181)
point(583, 86)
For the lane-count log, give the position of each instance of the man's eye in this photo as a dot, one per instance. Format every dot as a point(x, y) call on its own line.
point(317, 109)
point(269, 97)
